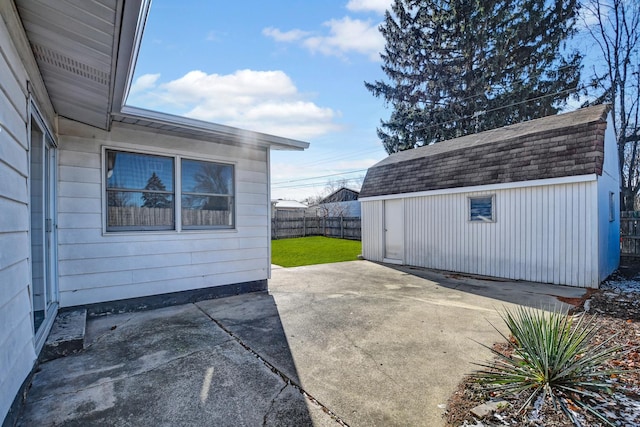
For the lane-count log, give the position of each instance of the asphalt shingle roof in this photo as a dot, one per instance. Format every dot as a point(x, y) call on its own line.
point(551, 147)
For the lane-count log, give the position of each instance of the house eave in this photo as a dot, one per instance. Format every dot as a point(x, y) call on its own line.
point(197, 129)
point(126, 54)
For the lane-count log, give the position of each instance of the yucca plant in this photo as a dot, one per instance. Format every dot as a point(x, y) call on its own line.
point(552, 356)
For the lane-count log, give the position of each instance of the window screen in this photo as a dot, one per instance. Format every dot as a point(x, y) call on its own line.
point(140, 191)
point(207, 194)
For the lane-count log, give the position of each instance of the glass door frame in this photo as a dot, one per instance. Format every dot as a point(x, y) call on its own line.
point(48, 226)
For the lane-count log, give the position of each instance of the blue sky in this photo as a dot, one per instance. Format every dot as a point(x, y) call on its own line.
point(293, 68)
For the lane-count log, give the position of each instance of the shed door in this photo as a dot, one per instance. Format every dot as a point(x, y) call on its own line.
point(394, 231)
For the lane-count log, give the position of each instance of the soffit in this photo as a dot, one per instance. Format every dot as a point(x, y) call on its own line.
point(76, 45)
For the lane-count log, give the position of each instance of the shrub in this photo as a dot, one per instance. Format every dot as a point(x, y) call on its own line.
point(551, 357)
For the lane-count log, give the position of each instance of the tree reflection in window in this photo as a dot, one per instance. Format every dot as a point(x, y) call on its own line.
point(140, 191)
point(207, 194)
point(152, 198)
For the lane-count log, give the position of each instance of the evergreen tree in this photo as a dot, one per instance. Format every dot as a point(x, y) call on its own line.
point(456, 67)
point(151, 198)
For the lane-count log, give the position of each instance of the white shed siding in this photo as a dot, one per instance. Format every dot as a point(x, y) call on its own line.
point(96, 266)
point(540, 233)
point(372, 228)
point(17, 353)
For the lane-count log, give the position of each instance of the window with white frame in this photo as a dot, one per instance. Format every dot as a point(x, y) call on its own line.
point(207, 194)
point(141, 192)
point(481, 209)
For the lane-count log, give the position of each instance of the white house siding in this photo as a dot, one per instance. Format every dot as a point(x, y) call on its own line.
point(609, 230)
point(95, 266)
point(17, 353)
point(541, 234)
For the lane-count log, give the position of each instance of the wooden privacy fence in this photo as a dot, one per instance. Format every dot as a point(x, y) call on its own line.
point(285, 225)
point(129, 216)
point(630, 233)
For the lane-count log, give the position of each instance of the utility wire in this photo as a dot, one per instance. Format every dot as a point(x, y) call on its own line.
point(317, 177)
point(280, 184)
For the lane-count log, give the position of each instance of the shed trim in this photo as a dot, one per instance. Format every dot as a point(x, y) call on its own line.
point(488, 187)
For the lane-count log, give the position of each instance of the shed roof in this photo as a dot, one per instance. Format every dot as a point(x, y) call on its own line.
point(551, 147)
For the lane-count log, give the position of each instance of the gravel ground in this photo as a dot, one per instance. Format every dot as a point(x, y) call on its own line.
point(617, 308)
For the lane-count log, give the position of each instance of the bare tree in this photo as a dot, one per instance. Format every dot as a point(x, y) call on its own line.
point(614, 25)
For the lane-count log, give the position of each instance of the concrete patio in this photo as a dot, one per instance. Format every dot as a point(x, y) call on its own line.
point(355, 343)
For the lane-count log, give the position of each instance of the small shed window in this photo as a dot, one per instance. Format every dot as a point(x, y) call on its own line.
point(481, 209)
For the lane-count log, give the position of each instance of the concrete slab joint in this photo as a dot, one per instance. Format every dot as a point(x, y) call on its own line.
point(336, 344)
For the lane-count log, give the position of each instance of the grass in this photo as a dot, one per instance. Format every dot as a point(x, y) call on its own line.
point(313, 250)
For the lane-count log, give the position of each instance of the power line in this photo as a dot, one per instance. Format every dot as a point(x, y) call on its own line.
point(317, 177)
point(280, 185)
point(491, 110)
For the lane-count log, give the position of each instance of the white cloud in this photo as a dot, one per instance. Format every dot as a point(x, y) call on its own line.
point(143, 83)
point(348, 35)
point(265, 101)
point(214, 36)
point(377, 6)
point(345, 36)
point(286, 36)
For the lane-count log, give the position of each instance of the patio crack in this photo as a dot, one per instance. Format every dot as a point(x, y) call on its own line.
point(273, 402)
point(288, 381)
point(97, 339)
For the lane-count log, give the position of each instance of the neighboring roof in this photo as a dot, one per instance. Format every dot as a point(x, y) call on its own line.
point(551, 147)
point(288, 204)
point(86, 53)
point(343, 194)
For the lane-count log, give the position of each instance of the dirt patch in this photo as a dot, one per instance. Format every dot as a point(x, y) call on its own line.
point(617, 306)
point(577, 302)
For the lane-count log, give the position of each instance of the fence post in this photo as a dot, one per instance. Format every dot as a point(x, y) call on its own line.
point(304, 225)
point(341, 227)
point(275, 225)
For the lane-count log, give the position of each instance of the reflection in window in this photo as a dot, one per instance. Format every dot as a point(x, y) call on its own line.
point(140, 191)
point(207, 194)
point(481, 209)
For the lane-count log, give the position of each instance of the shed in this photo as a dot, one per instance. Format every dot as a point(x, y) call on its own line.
point(535, 201)
point(106, 206)
point(341, 203)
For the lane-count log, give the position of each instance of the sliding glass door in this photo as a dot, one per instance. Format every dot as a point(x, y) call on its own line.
point(42, 215)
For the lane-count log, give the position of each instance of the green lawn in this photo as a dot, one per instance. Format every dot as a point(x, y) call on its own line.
point(313, 250)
